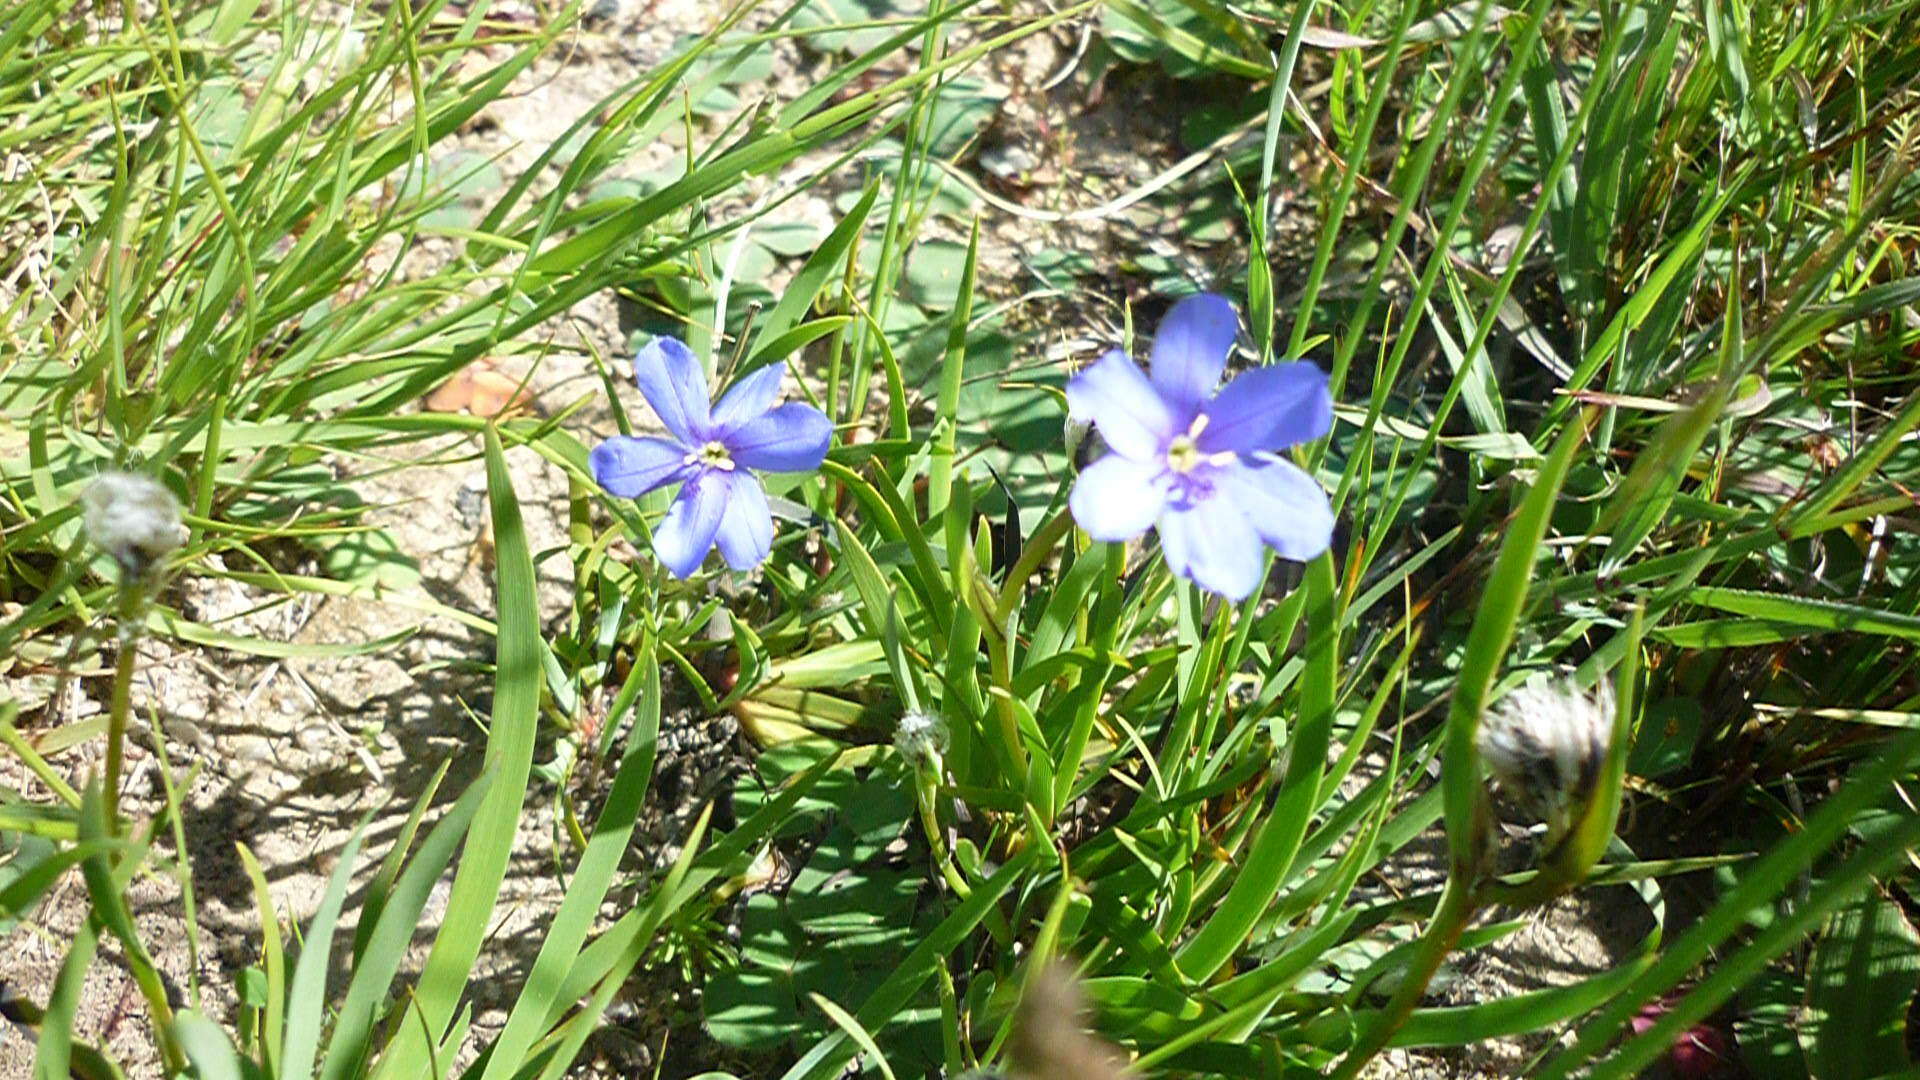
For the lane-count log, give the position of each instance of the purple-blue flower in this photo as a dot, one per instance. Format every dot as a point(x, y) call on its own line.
point(709, 453)
point(1199, 466)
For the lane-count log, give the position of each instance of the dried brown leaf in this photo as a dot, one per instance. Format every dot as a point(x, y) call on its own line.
point(480, 390)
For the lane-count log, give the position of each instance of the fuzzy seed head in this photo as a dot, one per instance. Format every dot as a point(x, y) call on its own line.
point(1545, 744)
point(922, 738)
point(133, 518)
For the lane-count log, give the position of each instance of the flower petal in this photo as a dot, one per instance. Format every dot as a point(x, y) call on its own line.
point(1287, 507)
point(1118, 399)
point(1269, 408)
point(1117, 498)
point(1190, 350)
point(686, 534)
point(1209, 542)
point(791, 438)
point(746, 528)
point(747, 398)
point(671, 379)
point(630, 467)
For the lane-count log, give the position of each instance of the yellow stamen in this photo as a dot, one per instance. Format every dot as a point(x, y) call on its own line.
point(713, 455)
point(1184, 454)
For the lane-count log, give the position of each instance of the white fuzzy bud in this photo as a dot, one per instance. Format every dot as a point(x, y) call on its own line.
point(1074, 432)
point(1545, 744)
point(133, 518)
point(922, 739)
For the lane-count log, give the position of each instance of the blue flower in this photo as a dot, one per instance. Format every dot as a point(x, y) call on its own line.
point(709, 454)
point(1198, 466)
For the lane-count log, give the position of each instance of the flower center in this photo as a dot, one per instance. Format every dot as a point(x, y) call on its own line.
point(713, 455)
point(1184, 454)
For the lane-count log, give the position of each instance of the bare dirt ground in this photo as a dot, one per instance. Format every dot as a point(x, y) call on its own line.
point(286, 757)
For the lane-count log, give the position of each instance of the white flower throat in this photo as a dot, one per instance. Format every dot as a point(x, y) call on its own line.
point(1184, 454)
point(713, 455)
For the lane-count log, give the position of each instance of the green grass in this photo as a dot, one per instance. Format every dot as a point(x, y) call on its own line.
point(1668, 441)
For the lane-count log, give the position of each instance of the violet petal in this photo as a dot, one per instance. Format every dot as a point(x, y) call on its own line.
point(1283, 504)
point(748, 397)
point(790, 438)
point(1117, 498)
point(1130, 413)
point(685, 535)
point(630, 467)
point(1209, 542)
point(670, 378)
point(1190, 349)
point(746, 528)
point(1269, 408)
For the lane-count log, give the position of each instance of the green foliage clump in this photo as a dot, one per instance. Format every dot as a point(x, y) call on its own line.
point(1617, 311)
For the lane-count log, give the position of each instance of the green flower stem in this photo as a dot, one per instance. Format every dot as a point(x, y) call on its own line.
point(1038, 549)
point(983, 601)
point(999, 631)
point(1561, 871)
point(133, 598)
point(926, 789)
point(1002, 694)
point(925, 786)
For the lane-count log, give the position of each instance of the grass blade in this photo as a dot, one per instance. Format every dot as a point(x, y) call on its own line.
point(490, 843)
point(1767, 878)
point(307, 996)
point(591, 879)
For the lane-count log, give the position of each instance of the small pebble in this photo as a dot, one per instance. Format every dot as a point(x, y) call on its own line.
point(471, 500)
point(185, 732)
point(1008, 161)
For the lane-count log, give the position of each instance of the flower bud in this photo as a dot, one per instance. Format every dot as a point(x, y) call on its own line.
point(922, 739)
point(133, 518)
point(1546, 744)
point(1074, 433)
point(1702, 1052)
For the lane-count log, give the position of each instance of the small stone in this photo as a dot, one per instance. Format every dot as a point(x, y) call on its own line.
point(233, 950)
point(253, 748)
point(1008, 161)
point(184, 732)
point(471, 500)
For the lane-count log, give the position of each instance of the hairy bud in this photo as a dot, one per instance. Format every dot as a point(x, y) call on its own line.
point(1546, 744)
point(922, 738)
point(133, 518)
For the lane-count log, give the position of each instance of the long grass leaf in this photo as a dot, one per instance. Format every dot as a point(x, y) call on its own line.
point(509, 758)
point(1501, 601)
point(307, 993)
point(350, 1045)
point(591, 878)
point(1764, 880)
point(1270, 859)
